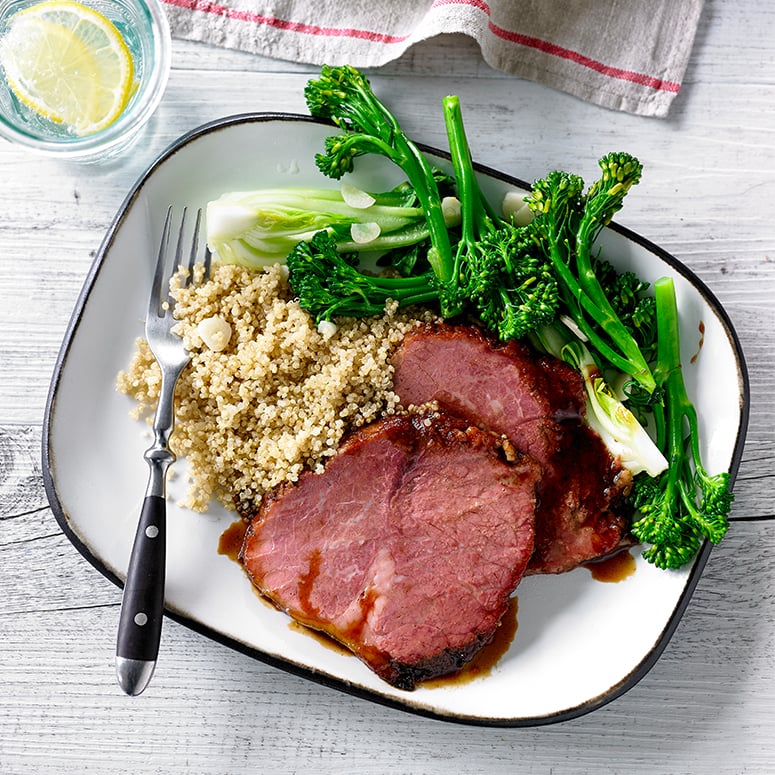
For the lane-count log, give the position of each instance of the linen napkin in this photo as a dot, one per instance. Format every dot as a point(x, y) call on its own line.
point(627, 55)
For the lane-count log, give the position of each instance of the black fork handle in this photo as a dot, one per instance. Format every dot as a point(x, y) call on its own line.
point(142, 605)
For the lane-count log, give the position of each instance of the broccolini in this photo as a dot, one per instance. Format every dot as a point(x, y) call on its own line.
point(508, 283)
point(344, 96)
point(568, 222)
point(685, 504)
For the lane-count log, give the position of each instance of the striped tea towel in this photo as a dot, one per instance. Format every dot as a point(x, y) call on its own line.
point(627, 55)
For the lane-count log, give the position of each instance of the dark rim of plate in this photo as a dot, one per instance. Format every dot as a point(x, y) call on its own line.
point(63, 519)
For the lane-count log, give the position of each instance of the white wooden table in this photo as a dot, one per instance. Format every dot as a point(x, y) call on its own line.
point(708, 196)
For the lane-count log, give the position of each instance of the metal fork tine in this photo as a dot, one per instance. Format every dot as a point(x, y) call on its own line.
point(194, 245)
point(179, 246)
point(154, 302)
point(208, 260)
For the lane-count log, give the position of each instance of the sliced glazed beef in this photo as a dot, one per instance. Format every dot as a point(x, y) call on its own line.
point(538, 403)
point(406, 548)
point(582, 515)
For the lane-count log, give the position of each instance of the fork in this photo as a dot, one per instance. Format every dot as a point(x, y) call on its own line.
point(142, 605)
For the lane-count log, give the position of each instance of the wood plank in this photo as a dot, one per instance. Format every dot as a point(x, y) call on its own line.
point(707, 706)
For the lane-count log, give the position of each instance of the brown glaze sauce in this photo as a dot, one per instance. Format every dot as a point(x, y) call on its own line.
point(612, 569)
point(307, 581)
point(485, 660)
point(321, 637)
point(230, 542)
point(701, 343)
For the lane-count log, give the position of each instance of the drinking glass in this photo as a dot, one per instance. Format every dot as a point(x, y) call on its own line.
point(144, 27)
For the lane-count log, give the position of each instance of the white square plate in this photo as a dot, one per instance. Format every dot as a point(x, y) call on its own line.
point(580, 642)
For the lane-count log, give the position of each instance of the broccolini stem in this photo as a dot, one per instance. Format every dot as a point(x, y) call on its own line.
point(420, 174)
point(602, 201)
point(474, 215)
point(668, 339)
point(628, 359)
point(687, 504)
point(668, 374)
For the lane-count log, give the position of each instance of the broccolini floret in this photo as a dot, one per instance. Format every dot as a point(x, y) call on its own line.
point(344, 96)
point(569, 222)
point(492, 271)
point(628, 296)
point(685, 504)
point(501, 274)
point(329, 284)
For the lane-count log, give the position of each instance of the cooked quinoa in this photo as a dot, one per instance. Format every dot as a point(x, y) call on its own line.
point(279, 395)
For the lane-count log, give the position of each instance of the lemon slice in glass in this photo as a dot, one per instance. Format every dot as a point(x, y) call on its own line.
point(68, 63)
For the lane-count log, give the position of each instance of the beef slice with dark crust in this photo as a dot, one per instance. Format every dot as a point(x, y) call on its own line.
point(406, 548)
point(538, 402)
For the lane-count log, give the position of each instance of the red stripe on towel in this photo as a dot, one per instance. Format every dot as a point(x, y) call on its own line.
point(649, 81)
point(517, 38)
point(216, 9)
point(528, 41)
